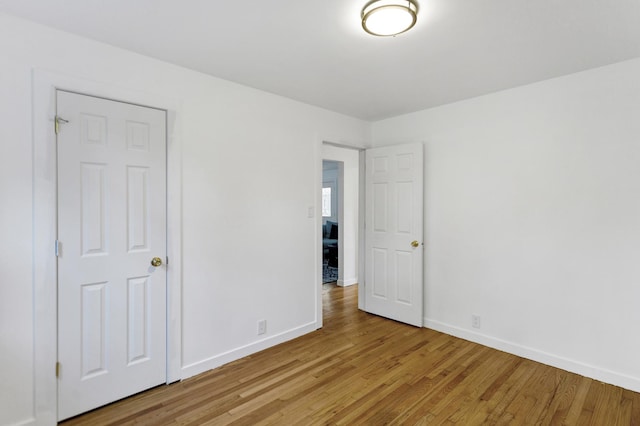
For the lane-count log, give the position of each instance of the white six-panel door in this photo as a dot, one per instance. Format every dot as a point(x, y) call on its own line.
point(111, 223)
point(393, 233)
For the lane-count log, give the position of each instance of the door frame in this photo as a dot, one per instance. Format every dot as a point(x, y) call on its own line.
point(318, 222)
point(44, 86)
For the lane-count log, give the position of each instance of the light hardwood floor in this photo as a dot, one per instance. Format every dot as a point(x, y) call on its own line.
point(361, 369)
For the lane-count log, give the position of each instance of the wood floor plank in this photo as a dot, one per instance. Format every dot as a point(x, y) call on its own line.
point(634, 398)
point(361, 369)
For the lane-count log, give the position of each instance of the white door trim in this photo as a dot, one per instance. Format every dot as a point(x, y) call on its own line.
point(44, 86)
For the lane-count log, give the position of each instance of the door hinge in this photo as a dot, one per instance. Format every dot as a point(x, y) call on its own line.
point(57, 122)
point(57, 369)
point(57, 248)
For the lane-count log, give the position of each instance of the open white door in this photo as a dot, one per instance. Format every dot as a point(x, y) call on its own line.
point(393, 233)
point(111, 224)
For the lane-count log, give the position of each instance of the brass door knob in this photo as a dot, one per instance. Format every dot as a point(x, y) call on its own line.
point(414, 244)
point(156, 261)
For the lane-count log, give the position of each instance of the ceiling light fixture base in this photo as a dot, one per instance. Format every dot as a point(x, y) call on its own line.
point(385, 18)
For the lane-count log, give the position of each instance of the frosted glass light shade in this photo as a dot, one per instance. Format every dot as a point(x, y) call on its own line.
point(389, 18)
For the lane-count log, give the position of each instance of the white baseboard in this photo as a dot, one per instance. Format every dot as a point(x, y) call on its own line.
point(232, 355)
point(28, 422)
point(347, 283)
point(587, 370)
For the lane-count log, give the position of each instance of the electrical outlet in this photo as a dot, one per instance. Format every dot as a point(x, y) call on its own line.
point(475, 321)
point(262, 326)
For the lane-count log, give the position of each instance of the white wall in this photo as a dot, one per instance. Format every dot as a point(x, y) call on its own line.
point(249, 175)
point(349, 228)
point(532, 219)
point(16, 313)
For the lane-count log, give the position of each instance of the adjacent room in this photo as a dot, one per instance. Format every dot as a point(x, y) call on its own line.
point(331, 182)
point(283, 212)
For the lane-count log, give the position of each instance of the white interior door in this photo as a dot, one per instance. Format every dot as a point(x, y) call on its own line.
point(111, 223)
point(393, 233)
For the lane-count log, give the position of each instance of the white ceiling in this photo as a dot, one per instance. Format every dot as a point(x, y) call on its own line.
point(316, 51)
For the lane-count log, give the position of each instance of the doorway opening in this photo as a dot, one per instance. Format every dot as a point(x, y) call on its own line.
point(332, 177)
point(341, 209)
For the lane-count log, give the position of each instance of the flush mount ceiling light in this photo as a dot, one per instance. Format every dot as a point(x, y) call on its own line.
point(389, 17)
